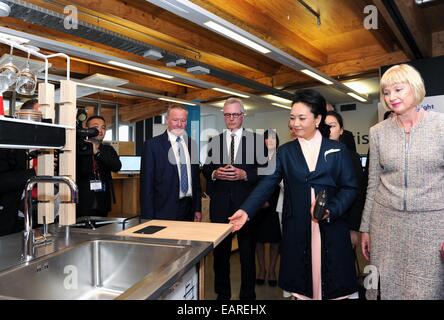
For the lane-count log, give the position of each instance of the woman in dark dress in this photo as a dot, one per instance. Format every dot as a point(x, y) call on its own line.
point(268, 228)
point(317, 259)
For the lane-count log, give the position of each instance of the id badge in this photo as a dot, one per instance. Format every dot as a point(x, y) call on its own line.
point(96, 185)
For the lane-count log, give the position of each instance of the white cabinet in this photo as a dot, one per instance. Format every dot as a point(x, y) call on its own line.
point(186, 288)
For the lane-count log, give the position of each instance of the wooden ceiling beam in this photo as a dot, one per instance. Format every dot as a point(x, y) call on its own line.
point(143, 111)
point(248, 17)
point(416, 23)
point(207, 47)
point(345, 68)
point(386, 39)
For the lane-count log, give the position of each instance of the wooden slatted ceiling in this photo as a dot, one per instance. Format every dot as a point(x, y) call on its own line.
point(340, 47)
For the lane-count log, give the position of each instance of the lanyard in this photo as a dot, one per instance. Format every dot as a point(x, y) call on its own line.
point(96, 170)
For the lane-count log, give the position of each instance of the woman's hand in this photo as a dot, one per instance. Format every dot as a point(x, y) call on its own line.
point(238, 219)
point(325, 216)
point(365, 245)
point(354, 236)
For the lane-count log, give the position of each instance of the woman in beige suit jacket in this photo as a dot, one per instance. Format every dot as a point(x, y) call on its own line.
point(403, 219)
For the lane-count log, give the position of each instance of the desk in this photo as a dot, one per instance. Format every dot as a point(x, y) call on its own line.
point(127, 190)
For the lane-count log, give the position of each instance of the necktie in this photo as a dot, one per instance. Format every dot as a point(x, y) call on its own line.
point(232, 148)
point(183, 167)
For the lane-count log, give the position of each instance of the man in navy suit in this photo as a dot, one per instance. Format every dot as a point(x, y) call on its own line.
point(231, 170)
point(169, 181)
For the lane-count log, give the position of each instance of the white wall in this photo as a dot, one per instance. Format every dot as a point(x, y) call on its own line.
point(359, 122)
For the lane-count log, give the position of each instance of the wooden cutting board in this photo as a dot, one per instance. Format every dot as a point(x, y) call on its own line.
point(181, 230)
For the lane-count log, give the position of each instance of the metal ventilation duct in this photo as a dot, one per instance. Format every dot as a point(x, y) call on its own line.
point(37, 15)
point(33, 14)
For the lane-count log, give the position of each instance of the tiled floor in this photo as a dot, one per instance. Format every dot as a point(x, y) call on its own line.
point(263, 292)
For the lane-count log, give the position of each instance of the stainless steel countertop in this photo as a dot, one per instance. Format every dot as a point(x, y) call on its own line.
point(151, 287)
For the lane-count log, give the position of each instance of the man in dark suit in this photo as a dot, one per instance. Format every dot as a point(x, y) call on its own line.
point(169, 182)
point(231, 170)
point(95, 161)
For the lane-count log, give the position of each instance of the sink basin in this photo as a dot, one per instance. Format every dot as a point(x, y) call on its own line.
point(95, 269)
point(93, 222)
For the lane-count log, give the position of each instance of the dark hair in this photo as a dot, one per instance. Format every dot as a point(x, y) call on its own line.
point(337, 116)
point(272, 134)
point(95, 117)
point(316, 102)
point(387, 114)
point(29, 105)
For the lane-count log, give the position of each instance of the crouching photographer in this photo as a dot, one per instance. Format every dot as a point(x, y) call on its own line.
point(94, 164)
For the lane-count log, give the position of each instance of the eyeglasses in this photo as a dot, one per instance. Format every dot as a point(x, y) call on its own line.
point(234, 115)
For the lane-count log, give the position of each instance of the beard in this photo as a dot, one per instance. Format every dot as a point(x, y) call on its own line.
point(97, 139)
point(177, 132)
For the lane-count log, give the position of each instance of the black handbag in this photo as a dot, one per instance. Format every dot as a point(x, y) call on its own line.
point(320, 205)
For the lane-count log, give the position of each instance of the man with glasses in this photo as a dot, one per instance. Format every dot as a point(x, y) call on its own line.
point(169, 182)
point(231, 170)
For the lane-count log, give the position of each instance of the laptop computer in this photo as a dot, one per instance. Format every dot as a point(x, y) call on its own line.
point(130, 164)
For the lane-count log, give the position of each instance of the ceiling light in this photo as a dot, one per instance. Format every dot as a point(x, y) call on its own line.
point(354, 95)
point(277, 99)
point(232, 92)
point(281, 105)
point(14, 39)
point(358, 87)
point(235, 36)
point(316, 76)
point(128, 66)
point(97, 87)
point(178, 101)
point(174, 6)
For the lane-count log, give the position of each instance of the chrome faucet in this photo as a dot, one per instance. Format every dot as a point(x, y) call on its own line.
point(28, 233)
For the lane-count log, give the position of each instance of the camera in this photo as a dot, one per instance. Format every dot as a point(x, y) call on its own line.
point(83, 146)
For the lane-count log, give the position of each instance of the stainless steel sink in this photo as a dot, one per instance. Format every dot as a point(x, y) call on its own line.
point(97, 269)
point(93, 222)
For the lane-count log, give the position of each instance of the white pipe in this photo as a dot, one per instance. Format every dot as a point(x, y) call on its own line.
point(68, 64)
point(40, 55)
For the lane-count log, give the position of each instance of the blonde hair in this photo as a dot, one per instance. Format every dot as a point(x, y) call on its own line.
point(403, 73)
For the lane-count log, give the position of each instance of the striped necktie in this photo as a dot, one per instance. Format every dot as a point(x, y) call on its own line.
point(183, 167)
point(232, 148)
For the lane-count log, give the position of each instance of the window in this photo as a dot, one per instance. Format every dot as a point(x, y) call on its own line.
point(109, 135)
point(124, 133)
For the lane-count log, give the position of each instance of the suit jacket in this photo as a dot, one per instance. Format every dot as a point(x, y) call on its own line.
point(107, 161)
point(348, 139)
point(13, 177)
point(227, 196)
point(159, 181)
point(334, 174)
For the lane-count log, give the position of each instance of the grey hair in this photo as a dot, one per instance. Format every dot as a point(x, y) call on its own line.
point(235, 100)
point(175, 106)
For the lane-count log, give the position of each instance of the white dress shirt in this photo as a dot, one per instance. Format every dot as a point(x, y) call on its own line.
point(175, 147)
point(237, 140)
